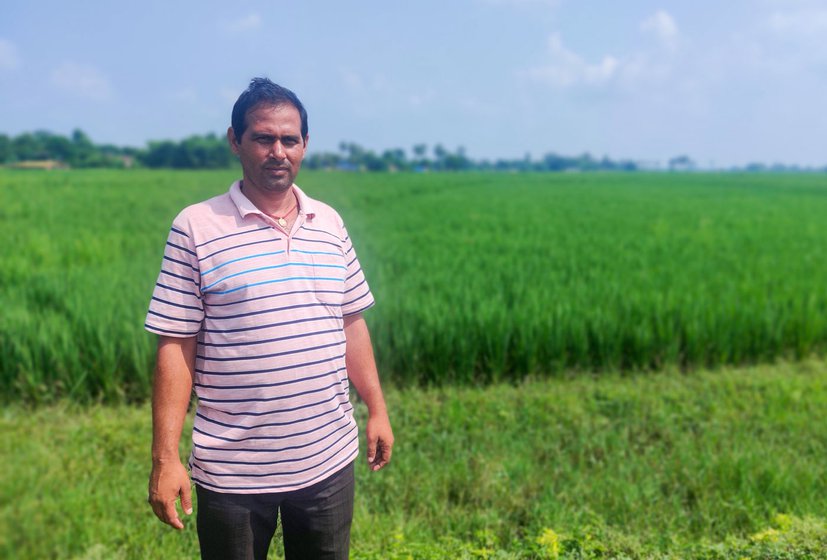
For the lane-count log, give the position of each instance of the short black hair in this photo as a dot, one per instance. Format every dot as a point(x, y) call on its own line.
point(262, 91)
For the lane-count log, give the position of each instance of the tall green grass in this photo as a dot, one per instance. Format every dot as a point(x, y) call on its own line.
point(638, 467)
point(478, 277)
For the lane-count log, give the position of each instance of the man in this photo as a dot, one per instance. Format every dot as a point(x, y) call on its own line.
point(259, 306)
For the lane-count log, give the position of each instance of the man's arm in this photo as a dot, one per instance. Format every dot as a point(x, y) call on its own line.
point(170, 397)
point(361, 370)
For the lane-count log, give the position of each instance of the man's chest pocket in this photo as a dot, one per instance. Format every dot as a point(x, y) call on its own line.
point(329, 273)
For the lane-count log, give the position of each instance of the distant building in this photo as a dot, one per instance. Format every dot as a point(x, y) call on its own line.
point(46, 164)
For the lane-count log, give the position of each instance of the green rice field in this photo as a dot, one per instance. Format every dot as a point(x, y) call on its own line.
point(479, 278)
point(577, 366)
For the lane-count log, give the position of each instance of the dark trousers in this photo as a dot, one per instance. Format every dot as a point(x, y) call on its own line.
point(315, 521)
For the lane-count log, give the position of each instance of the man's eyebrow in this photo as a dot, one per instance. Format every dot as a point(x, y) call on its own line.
point(271, 135)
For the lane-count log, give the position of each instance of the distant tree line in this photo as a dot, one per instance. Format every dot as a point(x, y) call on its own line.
point(352, 156)
point(195, 152)
point(210, 151)
point(76, 151)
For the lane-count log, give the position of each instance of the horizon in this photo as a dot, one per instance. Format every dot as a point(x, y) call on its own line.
point(726, 85)
point(682, 162)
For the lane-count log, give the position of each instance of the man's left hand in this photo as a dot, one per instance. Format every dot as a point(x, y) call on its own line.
point(380, 441)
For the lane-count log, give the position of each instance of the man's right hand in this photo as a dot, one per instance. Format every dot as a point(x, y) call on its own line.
point(167, 482)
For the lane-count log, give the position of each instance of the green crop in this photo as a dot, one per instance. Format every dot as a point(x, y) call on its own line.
point(477, 277)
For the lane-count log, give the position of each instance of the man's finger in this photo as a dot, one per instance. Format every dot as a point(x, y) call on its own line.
point(186, 499)
point(383, 456)
point(171, 515)
point(371, 449)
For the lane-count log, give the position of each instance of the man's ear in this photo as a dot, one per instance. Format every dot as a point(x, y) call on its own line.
point(232, 140)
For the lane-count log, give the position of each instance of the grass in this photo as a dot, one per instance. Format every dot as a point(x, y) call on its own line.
point(662, 465)
point(479, 278)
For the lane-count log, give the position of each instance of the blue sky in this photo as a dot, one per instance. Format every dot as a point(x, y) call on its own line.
point(724, 82)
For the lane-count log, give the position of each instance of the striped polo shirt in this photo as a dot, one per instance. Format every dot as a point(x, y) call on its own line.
point(273, 412)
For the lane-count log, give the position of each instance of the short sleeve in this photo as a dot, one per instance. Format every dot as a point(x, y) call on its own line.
point(176, 307)
point(358, 296)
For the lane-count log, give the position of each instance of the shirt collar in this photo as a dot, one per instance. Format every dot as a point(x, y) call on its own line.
point(246, 207)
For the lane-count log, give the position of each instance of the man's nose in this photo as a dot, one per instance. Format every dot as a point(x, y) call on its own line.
point(278, 150)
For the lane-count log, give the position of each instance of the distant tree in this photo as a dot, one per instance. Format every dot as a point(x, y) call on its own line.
point(193, 152)
point(681, 163)
point(554, 162)
point(585, 162)
point(59, 148)
point(28, 146)
point(322, 160)
point(395, 159)
point(456, 161)
point(439, 156)
point(372, 162)
point(755, 167)
point(158, 154)
point(84, 153)
point(356, 154)
point(6, 152)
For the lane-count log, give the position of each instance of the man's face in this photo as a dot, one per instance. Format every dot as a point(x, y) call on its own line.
point(271, 149)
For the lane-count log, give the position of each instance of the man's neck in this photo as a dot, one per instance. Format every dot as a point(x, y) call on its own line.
point(271, 203)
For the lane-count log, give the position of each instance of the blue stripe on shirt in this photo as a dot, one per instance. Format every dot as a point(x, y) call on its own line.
point(276, 281)
point(271, 267)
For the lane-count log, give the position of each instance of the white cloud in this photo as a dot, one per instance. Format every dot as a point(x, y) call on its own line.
point(566, 68)
point(249, 22)
point(9, 59)
point(82, 80)
point(663, 26)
